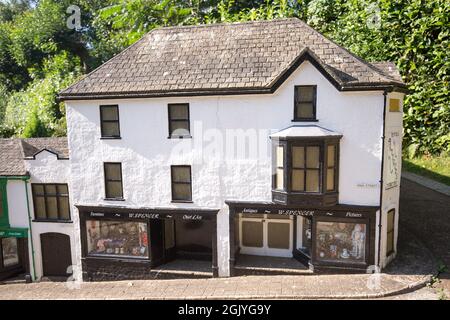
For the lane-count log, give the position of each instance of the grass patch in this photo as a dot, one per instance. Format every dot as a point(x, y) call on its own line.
point(436, 168)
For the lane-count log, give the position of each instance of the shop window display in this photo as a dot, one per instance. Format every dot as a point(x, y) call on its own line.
point(114, 238)
point(337, 241)
point(10, 252)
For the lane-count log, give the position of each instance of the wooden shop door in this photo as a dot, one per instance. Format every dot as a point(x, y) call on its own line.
point(56, 254)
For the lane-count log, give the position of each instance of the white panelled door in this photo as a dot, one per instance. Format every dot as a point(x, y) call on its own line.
point(266, 235)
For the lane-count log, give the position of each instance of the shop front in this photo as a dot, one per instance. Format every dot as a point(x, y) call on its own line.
point(340, 238)
point(123, 243)
point(13, 252)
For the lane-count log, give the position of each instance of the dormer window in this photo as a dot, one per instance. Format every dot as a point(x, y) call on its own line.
point(306, 166)
point(305, 103)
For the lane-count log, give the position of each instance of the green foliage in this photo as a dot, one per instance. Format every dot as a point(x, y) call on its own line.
point(39, 55)
point(35, 111)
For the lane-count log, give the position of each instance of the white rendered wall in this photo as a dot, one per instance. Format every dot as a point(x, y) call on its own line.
point(145, 150)
point(391, 194)
point(46, 168)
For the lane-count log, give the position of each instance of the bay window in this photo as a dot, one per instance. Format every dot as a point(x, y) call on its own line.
point(305, 171)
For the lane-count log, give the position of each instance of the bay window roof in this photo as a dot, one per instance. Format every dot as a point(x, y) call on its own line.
point(305, 131)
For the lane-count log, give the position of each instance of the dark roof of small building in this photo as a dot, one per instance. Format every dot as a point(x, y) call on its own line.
point(33, 146)
point(234, 58)
point(11, 158)
point(14, 151)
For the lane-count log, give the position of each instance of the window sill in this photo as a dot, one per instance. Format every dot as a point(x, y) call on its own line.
point(180, 137)
point(52, 221)
point(110, 138)
point(182, 201)
point(304, 120)
point(114, 199)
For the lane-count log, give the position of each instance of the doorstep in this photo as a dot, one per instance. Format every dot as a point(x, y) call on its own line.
point(249, 265)
point(183, 269)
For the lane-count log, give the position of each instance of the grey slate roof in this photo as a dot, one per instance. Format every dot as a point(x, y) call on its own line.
point(11, 158)
point(58, 146)
point(13, 153)
point(250, 57)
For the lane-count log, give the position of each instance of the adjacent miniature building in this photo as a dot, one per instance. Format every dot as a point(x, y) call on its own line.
point(36, 229)
point(224, 143)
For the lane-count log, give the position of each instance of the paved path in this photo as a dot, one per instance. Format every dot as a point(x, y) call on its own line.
point(410, 270)
point(426, 213)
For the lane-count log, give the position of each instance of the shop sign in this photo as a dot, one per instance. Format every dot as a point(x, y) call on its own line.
point(14, 233)
point(296, 212)
point(144, 216)
point(192, 217)
point(353, 215)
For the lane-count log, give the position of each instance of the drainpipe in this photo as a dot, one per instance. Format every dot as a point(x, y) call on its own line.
point(31, 231)
point(381, 179)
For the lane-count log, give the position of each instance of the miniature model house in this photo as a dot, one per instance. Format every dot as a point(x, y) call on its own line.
point(225, 143)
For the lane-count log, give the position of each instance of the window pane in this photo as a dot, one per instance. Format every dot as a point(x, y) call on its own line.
point(298, 180)
point(305, 94)
point(305, 110)
point(280, 156)
point(331, 155)
point(110, 112)
point(394, 105)
point(114, 189)
point(312, 157)
point(390, 220)
point(390, 242)
point(312, 180)
point(179, 128)
point(280, 179)
point(298, 157)
point(110, 129)
point(52, 208)
point(277, 216)
point(181, 174)
point(10, 252)
point(181, 191)
point(50, 189)
point(38, 189)
point(114, 238)
point(278, 235)
point(62, 189)
point(112, 171)
point(330, 179)
point(63, 205)
point(252, 234)
point(39, 209)
point(179, 111)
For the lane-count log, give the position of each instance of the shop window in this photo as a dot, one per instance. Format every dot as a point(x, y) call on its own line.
point(109, 119)
point(305, 171)
point(394, 105)
point(342, 242)
point(10, 252)
point(179, 123)
point(113, 180)
point(305, 103)
point(51, 202)
point(117, 239)
point(390, 232)
point(181, 183)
